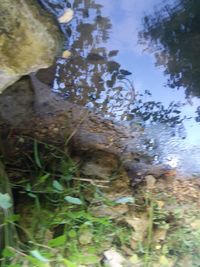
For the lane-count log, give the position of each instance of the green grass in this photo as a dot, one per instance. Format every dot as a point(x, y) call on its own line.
point(55, 225)
point(181, 242)
point(57, 228)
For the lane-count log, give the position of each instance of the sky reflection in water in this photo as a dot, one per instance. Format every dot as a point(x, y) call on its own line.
point(102, 27)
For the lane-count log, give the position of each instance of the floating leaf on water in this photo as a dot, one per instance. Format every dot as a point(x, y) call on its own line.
point(38, 256)
point(5, 201)
point(66, 54)
point(125, 200)
point(67, 16)
point(73, 200)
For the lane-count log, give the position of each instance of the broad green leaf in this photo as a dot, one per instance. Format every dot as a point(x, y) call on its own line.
point(58, 241)
point(69, 263)
point(36, 263)
point(5, 201)
point(13, 218)
point(38, 256)
point(28, 188)
point(8, 253)
point(57, 185)
point(32, 195)
point(44, 177)
point(67, 177)
point(83, 259)
point(125, 200)
point(73, 200)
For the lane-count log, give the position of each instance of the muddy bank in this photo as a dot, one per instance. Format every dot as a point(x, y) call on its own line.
point(46, 116)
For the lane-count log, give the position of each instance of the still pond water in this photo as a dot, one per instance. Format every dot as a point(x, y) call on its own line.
point(138, 62)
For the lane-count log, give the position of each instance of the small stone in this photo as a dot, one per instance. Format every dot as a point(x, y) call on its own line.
point(160, 235)
point(160, 203)
point(85, 237)
point(21, 140)
point(56, 130)
point(158, 247)
point(113, 258)
point(151, 181)
point(134, 259)
point(165, 262)
point(195, 225)
point(134, 244)
point(112, 212)
point(140, 226)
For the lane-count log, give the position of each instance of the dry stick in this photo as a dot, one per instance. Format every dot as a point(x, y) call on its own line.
point(150, 230)
point(17, 251)
point(89, 180)
point(76, 129)
point(92, 181)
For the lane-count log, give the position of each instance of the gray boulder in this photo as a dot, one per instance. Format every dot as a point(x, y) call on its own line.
point(29, 39)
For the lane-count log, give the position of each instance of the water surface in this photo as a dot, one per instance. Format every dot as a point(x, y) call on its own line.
point(138, 62)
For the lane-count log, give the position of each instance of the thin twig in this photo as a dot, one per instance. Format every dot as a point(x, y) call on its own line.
point(93, 182)
point(89, 180)
point(76, 129)
point(17, 251)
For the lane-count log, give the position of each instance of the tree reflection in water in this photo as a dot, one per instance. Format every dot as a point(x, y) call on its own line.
point(172, 33)
point(93, 77)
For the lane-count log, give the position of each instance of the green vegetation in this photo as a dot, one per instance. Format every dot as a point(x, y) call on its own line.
point(54, 221)
point(57, 225)
point(173, 232)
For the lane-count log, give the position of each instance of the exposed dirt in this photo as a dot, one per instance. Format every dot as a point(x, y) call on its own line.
point(51, 119)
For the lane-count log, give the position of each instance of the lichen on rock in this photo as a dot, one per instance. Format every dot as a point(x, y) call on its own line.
point(29, 39)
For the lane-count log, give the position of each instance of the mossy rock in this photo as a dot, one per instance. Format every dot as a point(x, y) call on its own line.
point(29, 39)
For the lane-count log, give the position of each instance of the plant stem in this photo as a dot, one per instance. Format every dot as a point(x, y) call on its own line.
point(150, 231)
